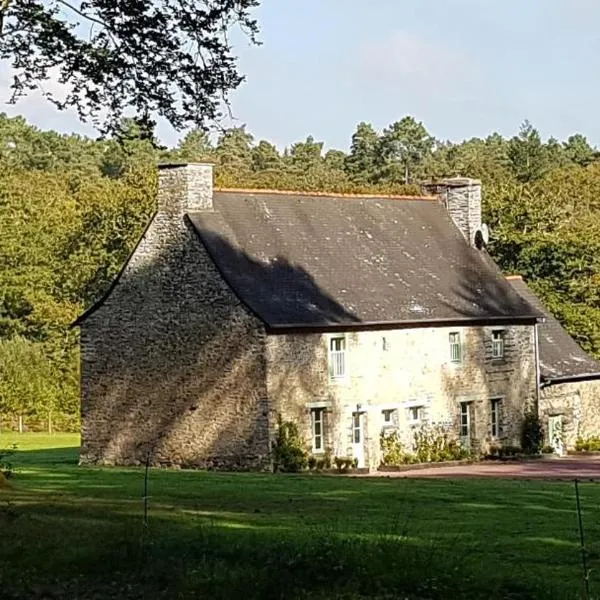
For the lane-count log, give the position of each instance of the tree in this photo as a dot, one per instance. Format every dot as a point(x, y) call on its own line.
point(361, 162)
point(579, 151)
point(171, 58)
point(527, 154)
point(234, 150)
point(265, 157)
point(404, 144)
point(194, 147)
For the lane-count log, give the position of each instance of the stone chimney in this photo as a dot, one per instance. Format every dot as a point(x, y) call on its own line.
point(184, 188)
point(462, 198)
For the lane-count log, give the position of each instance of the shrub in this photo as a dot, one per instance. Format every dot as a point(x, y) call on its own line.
point(343, 464)
point(392, 449)
point(547, 449)
point(289, 453)
point(312, 463)
point(532, 434)
point(6, 468)
point(589, 444)
point(434, 444)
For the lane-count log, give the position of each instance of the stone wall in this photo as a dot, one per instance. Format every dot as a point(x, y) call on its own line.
point(462, 198)
point(578, 403)
point(173, 366)
point(397, 369)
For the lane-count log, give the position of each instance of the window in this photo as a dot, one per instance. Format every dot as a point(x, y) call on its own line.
point(497, 344)
point(389, 417)
point(318, 421)
point(455, 347)
point(414, 414)
point(337, 357)
point(495, 417)
point(465, 420)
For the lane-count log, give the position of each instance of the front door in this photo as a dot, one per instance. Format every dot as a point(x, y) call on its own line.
point(358, 445)
point(555, 434)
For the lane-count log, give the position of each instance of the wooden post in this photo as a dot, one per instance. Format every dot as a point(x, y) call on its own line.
point(20, 423)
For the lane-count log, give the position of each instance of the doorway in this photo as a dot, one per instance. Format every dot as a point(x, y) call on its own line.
point(358, 445)
point(555, 434)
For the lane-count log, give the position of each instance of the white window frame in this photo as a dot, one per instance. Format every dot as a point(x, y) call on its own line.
point(317, 417)
point(497, 344)
point(392, 414)
point(455, 347)
point(335, 358)
point(495, 414)
point(419, 419)
point(467, 412)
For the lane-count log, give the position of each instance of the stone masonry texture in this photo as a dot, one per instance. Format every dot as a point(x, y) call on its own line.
point(578, 404)
point(173, 366)
point(396, 369)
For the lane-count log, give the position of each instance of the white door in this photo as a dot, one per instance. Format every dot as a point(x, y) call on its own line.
point(555, 436)
point(358, 443)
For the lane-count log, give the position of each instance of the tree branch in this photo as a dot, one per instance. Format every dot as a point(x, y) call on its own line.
point(79, 12)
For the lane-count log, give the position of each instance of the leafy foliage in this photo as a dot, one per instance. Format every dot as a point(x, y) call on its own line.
point(289, 453)
point(589, 444)
point(171, 58)
point(72, 208)
point(532, 434)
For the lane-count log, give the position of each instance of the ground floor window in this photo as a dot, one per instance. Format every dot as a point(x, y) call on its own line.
point(465, 420)
point(318, 429)
point(415, 415)
point(389, 417)
point(495, 416)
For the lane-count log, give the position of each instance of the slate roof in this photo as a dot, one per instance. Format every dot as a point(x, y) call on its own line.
point(560, 356)
point(300, 260)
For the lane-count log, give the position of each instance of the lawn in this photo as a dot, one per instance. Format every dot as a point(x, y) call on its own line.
point(72, 532)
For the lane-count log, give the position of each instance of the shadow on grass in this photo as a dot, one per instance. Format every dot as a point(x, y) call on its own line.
point(78, 532)
point(67, 456)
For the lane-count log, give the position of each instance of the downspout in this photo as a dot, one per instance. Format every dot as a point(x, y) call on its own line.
point(537, 366)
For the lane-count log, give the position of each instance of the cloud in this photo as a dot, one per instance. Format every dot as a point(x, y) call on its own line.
point(402, 58)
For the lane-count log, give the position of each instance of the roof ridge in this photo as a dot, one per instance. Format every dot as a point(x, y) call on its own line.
point(324, 194)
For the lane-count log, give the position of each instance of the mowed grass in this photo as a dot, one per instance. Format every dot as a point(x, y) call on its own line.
point(73, 532)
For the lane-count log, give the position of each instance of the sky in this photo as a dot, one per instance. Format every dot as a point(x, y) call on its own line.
point(464, 67)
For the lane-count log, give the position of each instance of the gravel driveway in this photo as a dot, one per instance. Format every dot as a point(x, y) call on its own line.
point(553, 468)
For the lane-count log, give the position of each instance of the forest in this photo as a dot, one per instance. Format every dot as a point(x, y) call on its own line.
point(71, 209)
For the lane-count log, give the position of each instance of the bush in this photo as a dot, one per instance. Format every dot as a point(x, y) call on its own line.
point(289, 454)
point(6, 468)
point(589, 444)
point(434, 444)
point(431, 445)
point(343, 464)
point(532, 434)
point(547, 449)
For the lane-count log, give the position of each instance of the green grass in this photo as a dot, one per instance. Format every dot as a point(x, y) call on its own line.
point(72, 532)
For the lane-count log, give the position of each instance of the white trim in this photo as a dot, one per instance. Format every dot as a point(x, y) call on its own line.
point(343, 353)
point(417, 403)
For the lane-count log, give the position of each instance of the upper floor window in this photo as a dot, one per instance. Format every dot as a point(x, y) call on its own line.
point(337, 357)
point(455, 347)
point(497, 344)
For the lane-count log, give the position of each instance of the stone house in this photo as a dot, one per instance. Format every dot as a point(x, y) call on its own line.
point(349, 315)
